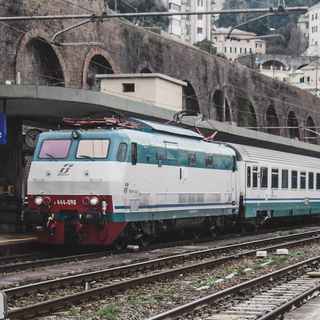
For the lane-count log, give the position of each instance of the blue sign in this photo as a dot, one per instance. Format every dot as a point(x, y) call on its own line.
point(3, 128)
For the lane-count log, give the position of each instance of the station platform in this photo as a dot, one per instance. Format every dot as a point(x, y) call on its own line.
point(16, 243)
point(9, 238)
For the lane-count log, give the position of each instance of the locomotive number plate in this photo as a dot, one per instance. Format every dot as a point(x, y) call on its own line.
point(69, 202)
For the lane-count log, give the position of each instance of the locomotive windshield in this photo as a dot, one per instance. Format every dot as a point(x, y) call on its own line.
point(93, 149)
point(55, 149)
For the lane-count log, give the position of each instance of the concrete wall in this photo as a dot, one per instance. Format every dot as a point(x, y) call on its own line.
point(151, 90)
point(129, 49)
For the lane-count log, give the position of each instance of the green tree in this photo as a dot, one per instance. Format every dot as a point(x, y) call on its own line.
point(283, 24)
point(132, 6)
point(206, 45)
point(227, 20)
point(222, 55)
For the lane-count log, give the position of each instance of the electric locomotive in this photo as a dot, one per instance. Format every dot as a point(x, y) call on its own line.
point(129, 182)
point(117, 182)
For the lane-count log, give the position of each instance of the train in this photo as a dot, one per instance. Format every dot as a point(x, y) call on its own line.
point(116, 182)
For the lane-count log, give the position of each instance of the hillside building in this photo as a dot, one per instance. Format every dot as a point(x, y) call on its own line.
point(314, 31)
point(246, 44)
point(192, 28)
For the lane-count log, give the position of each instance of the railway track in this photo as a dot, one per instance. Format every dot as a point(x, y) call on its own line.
point(179, 264)
point(17, 263)
point(274, 296)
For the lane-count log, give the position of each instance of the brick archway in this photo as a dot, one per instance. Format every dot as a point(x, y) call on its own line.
point(272, 121)
point(88, 59)
point(292, 123)
point(144, 68)
point(190, 98)
point(310, 134)
point(42, 39)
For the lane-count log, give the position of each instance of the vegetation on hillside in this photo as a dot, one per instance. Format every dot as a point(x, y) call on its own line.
point(283, 24)
point(206, 45)
point(132, 6)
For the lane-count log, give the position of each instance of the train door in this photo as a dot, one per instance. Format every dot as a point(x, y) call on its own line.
point(233, 180)
point(134, 186)
point(251, 185)
point(250, 180)
point(274, 182)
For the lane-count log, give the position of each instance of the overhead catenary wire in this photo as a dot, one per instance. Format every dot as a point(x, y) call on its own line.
point(142, 14)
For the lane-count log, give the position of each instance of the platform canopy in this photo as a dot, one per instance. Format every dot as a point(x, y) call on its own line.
point(48, 105)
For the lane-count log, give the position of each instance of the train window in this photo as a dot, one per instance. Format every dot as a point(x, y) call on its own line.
point(254, 177)
point(294, 179)
point(318, 181)
point(93, 148)
point(54, 149)
point(209, 161)
point(134, 153)
point(285, 179)
point(302, 180)
point(122, 151)
point(248, 177)
point(311, 180)
point(264, 177)
point(275, 178)
point(172, 151)
point(192, 159)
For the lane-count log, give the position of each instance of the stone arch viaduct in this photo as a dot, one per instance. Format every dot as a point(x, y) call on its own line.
point(222, 90)
point(266, 60)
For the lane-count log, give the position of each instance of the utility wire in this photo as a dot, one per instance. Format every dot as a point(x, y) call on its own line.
point(189, 97)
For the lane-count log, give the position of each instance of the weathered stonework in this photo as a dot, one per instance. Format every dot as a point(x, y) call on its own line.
point(126, 48)
point(29, 57)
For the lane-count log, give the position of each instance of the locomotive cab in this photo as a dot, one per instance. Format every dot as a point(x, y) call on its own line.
point(103, 186)
point(67, 176)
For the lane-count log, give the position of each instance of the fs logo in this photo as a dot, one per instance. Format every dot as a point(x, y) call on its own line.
point(65, 170)
point(126, 186)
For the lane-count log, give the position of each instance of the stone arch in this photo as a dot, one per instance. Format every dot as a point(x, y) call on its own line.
point(272, 120)
point(228, 111)
point(293, 126)
point(218, 108)
point(189, 98)
point(96, 62)
point(144, 68)
point(302, 66)
point(245, 112)
point(310, 133)
point(38, 62)
point(267, 65)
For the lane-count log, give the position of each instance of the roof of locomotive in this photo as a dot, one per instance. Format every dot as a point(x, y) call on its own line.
point(156, 133)
point(159, 127)
point(256, 154)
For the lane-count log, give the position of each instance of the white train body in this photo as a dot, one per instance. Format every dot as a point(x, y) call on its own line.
point(104, 186)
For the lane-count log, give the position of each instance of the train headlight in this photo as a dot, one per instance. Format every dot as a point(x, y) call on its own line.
point(47, 200)
point(94, 201)
point(38, 200)
point(86, 201)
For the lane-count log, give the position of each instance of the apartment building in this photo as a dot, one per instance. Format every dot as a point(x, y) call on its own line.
point(314, 30)
point(246, 43)
point(192, 28)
